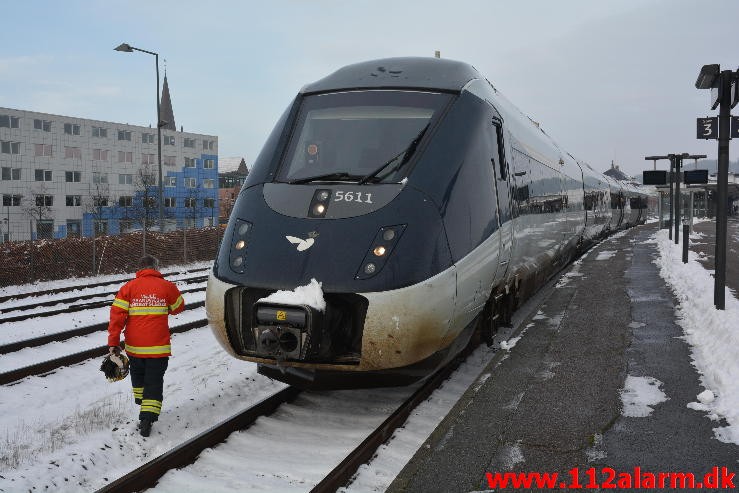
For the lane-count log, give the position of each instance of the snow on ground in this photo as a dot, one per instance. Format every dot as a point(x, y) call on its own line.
point(36, 327)
point(53, 350)
point(712, 334)
point(113, 278)
point(640, 394)
point(71, 429)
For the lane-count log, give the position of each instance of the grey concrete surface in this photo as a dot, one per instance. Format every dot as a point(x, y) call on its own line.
point(553, 403)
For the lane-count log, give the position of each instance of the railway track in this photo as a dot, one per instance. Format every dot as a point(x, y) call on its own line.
point(71, 359)
point(114, 282)
point(79, 307)
point(149, 474)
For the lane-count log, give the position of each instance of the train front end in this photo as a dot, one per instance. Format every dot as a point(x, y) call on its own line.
point(329, 220)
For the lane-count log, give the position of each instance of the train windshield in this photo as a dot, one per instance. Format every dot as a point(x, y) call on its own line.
point(362, 136)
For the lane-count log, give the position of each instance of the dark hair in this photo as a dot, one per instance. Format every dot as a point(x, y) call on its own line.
point(149, 262)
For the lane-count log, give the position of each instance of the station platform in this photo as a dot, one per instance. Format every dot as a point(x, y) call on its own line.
point(553, 401)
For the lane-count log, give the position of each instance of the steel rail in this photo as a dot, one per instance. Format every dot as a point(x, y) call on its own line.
point(71, 359)
point(68, 334)
point(31, 294)
point(149, 474)
point(69, 309)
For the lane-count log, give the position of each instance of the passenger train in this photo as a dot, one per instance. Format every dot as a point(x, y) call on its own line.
point(425, 204)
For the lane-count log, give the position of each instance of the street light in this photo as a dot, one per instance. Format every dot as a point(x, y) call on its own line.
point(128, 49)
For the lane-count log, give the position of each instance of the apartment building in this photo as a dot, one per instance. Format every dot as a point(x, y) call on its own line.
point(66, 176)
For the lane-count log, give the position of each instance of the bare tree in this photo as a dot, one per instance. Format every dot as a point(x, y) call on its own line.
point(194, 204)
point(40, 207)
point(96, 202)
point(145, 208)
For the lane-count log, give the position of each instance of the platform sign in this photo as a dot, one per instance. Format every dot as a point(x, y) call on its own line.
point(696, 176)
point(734, 127)
point(708, 128)
point(656, 177)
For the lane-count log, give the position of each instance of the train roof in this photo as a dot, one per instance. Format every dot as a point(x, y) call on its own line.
point(406, 72)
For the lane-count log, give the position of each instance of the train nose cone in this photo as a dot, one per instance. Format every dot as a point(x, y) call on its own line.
point(269, 342)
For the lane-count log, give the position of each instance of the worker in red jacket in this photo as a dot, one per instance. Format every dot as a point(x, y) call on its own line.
point(141, 309)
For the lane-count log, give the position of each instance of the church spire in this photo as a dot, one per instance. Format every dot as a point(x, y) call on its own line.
point(167, 114)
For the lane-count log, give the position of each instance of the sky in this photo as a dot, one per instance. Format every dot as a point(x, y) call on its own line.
point(608, 80)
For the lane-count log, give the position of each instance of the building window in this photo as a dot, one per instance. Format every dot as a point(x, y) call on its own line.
point(189, 143)
point(191, 202)
point(208, 183)
point(190, 162)
point(11, 173)
point(99, 132)
point(100, 177)
point(209, 202)
point(125, 179)
point(42, 150)
point(170, 202)
point(168, 140)
point(190, 182)
point(7, 147)
point(209, 144)
point(100, 154)
point(44, 125)
point(147, 138)
point(101, 227)
point(74, 200)
point(44, 200)
point(125, 201)
point(147, 159)
point(209, 163)
point(100, 201)
point(169, 160)
point(124, 135)
point(125, 157)
point(72, 153)
point(73, 176)
point(12, 200)
point(71, 129)
point(8, 121)
point(170, 181)
point(42, 175)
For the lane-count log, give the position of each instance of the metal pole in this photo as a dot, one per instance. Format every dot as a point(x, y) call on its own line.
point(672, 202)
point(678, 162)
point(686, 238)
point(159, 152)
point(724, 120)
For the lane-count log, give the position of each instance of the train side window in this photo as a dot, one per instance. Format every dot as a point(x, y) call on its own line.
point(501, 151)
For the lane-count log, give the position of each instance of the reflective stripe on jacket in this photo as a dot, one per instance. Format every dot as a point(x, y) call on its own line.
point(141, 310)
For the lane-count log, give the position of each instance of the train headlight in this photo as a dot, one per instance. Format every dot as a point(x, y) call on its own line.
point(319, 203)
point(379, 251)
point(239, 241)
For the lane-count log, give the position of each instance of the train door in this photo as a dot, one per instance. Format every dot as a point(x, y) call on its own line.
point(505, 206)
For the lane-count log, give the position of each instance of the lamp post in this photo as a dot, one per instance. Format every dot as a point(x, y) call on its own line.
point(723, 85)
point(128, 49)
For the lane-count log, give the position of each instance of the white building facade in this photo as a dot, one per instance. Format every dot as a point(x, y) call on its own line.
point(65, 176)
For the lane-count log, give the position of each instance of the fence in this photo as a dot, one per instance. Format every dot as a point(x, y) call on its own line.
point(46, 260)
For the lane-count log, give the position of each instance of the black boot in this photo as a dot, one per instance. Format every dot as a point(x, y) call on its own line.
point(145, 427)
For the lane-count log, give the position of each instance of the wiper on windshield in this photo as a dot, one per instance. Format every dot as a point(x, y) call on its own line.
point(406, 153)
point(335, 176)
